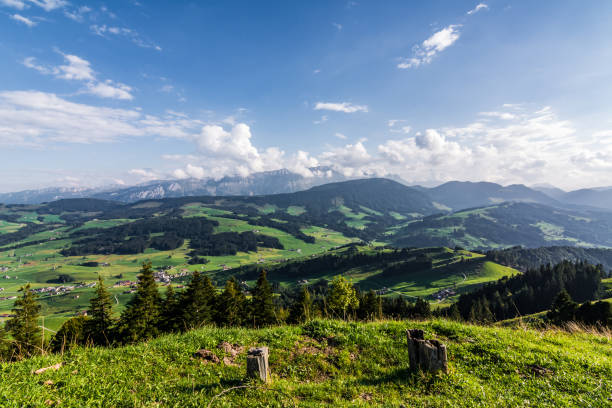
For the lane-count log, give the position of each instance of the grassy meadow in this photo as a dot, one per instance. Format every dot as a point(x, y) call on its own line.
point(327, 363)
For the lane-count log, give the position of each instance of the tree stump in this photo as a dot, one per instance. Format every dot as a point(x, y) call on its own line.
point(257, 364)
point(425, 355)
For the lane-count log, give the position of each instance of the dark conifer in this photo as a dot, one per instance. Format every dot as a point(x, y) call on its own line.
point(171, 312)
point(100, 323)
point(301, 310)
point(198, 302)
point(231, 305)
point(262, 303)
point(24, 326)
point(140, 319)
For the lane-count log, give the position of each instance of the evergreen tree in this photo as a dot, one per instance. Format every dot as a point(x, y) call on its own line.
point(231, 305)
point(370, 306)
point(73, 332)
point(262, 302)
point(5, 345)
point(563, 308)
point(99, 325)
point(24, 326)
point(198, 302)
point(342, 296)
point(422, 309)
point(301, 309)
point(171, 311)
point(140, 320)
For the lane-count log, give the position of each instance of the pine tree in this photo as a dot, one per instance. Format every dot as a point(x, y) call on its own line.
point(231, 305)
point(198, 302)
point(141, 318)
point(301, 309)
point(171, 312)
point(100, 323)
point(262, 302)
point(422, 308)
point(563, 308)
point(73, 332)
point(24, 326)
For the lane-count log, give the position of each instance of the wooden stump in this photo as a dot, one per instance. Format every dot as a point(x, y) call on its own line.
point(257, 364)
point(425, 355)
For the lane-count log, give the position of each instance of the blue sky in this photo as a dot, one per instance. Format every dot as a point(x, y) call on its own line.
point(123, 92)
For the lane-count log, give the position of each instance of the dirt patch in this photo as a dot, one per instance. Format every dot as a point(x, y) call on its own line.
point(206, 356)
point(233, 350)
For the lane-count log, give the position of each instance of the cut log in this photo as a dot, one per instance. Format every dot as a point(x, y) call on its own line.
point(257, 364)
point(425, 355)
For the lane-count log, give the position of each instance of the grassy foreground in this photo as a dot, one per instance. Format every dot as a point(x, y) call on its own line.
point(327, 363)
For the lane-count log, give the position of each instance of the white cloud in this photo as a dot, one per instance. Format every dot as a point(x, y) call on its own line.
point(479, 6)
point(78, 14)
point(24, 20)
point(31, 118)
point(395, 127)
point(338, 26)
point(345, 107)
point(340, 136)
point(320, 121)
point(423, 54)
point(500, 115)
point(132, 35)
point(316, 71)
point(145, 174)
point(110, 89)
point(79, 69)
point(16, 4)
point(49, 5)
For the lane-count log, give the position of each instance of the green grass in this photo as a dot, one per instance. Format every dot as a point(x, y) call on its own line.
point(327, 363)
point(8, 227)
point(295, 210)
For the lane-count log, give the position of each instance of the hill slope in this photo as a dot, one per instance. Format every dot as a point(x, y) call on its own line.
point(327, 363)
point(509, 224)
point(458, 195)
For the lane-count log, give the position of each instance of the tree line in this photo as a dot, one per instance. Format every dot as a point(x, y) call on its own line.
point(531, 292)
point(150, 313)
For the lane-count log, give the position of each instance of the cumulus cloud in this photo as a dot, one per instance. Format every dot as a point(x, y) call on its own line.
point(79, 69)
point(345, 107)
point(423, 54)
point(24, 20)
point(479, 6)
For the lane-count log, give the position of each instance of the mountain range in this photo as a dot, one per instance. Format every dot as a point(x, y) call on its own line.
point(450, 196)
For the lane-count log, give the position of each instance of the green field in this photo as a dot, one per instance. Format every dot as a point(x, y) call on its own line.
point(327, 363)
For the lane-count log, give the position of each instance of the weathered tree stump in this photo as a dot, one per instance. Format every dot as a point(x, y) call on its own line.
point(425, 355)
point(257, 364)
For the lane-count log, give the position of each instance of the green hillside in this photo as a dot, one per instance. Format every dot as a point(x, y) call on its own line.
point(506, 225)
point(326, 363)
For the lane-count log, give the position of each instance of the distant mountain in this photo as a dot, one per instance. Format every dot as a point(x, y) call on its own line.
point(45, 195)
point(269, 182)
point(457, 195)
point(509, 224)
point(593, 197)
point(376, 194)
